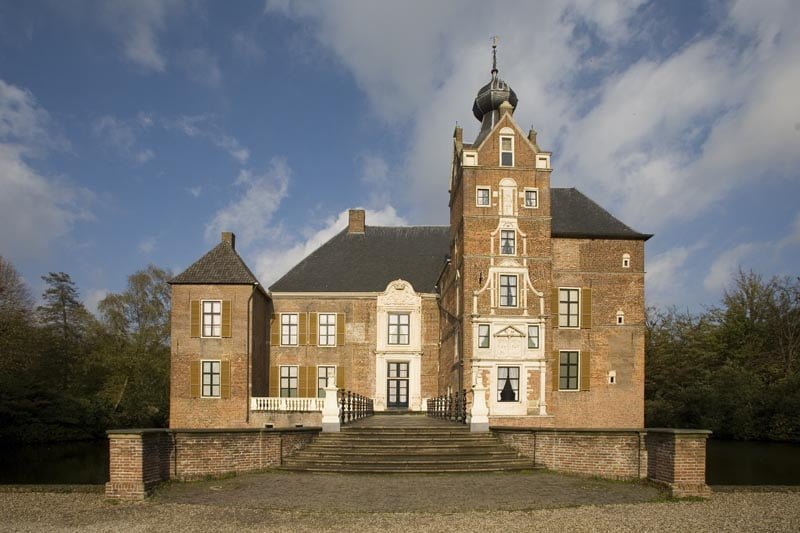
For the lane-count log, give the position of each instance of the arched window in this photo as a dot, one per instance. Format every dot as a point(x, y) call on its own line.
point(626, 260)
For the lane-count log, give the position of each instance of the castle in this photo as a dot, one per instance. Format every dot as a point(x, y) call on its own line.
point(532, 296)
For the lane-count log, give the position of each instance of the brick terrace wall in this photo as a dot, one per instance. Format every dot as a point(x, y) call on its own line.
point(140, 459)
point(678, 460)
point(612, 454)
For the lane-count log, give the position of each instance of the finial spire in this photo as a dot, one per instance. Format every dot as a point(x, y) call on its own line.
point(495, 38)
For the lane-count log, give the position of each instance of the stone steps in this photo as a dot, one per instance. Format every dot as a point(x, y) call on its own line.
point(406, 449)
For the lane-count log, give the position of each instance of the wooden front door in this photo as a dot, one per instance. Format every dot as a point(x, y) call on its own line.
point(397, 385)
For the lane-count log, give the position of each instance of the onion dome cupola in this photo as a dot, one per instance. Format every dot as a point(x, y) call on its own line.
point(494, 93)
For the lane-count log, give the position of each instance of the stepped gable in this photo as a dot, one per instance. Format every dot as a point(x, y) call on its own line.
point(220, 266)
point(368, 261)
point(576, 215)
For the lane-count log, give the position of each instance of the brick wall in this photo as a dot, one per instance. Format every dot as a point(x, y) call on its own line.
point(678, 459)
point(611, 454)
point(675, 458)
point(140, 459)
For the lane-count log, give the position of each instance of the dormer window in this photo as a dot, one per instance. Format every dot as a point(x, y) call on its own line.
point(507, 244)
point(506, 151)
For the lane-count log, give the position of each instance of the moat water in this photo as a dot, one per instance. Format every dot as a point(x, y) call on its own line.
point(86, 462)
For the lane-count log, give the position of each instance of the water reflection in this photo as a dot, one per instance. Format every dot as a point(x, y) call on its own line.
point(82, 462)
point(752, 463)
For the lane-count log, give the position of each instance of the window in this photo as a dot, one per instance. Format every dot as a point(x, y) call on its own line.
point(620, 317)
point(533, 337)
point(508, 384)
point(470, 159)
point(326, 377)
point(531, 198)
point(507, 242)
point(483, 335)
point(398, 328)
point(212, 318)
point(482, 196)
point(288, 329)
point(568, 371)
point(327, 329)
point(506, 151)
point(288, 382)
point(626, 260)
point(210, 379)
point(568, 308)
point(508, 290)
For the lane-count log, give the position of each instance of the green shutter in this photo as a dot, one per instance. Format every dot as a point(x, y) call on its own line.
point(302, 327)
point(275, 330)
point(194, 318)
point(555, 369)
point(194, 379)
point(586, 370)
point(340, 329)
point(225, 379)
point(274, 381)
point(226, 318)
point(339, 377)
point(586, 308)
point(312, 329)
point(554, 307)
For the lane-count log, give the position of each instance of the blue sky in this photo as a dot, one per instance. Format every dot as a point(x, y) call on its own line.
point(134, 132)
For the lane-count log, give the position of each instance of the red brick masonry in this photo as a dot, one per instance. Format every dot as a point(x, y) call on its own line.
point(673, 457)
point(141, 458)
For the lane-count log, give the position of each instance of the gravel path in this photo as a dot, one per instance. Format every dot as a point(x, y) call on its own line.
point(737, 511)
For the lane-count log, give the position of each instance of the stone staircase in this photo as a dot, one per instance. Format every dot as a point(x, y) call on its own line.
point(408, 447)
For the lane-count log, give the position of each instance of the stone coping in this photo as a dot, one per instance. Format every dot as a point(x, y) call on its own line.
point(513, 429)
point(679, 431)
point(147, 431)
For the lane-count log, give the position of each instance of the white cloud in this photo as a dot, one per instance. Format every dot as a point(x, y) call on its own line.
point(727, 264)
point(200, 66)
point(93, 298)
point(35, 210)
point(250, 216)
point(196, 191)
point(275, 261)
point(667, 274)
point(147, 245)
point(204, 126)
point(246, 46)
point(123, 135)
point(138, 25)
point(375, 178)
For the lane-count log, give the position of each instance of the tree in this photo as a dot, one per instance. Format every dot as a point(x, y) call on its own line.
point(15, 297)
point(63, 309)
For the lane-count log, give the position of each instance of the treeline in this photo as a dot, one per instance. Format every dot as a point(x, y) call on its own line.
point(734, 369)
point(66, 374)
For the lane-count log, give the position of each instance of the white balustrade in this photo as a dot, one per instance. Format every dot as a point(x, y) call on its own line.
point(305, 405)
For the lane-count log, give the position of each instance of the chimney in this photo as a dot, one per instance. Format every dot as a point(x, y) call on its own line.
point(458, 134)
point(355, 222)
point(229, 238)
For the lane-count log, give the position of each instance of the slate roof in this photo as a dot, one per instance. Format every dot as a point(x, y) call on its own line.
point(221, 265)
point(367, 262)
point(576, 215)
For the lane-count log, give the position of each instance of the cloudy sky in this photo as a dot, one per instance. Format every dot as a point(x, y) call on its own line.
point(133, 132)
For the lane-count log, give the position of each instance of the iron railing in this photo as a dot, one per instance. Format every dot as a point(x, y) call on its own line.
point(353, 406)
point(451, 406)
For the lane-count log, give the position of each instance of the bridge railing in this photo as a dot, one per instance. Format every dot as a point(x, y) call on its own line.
point(451, 406)
point(354, 406)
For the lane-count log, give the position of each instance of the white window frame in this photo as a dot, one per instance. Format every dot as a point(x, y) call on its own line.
point(500, 290)
point(567, 314)
point(626, 260)
point(289, 377)
point(330, 330)
point(289, 324)
point(399, 327)
point(488, 336)
point(511, 138)
point(518, 390)
point(538, 337)
point(620, 318)
point(210, 364)
point(211, 315)
point(327, 378)
point(513, 242)
point(525, 192)
point(488, 196)
point(577, 375)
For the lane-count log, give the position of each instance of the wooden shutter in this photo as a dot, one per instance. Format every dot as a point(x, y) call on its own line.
point(194, 318)
point(275, 331)
point(586, 369)
point(274, 381)
point(225, 379)
point(226, 318)
point(554, 307)
point(340, 329)
point(339, 377)
point(586, 308)
point(312, 329)
point(194, 379)
point(556, 368)
point(302, 326)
